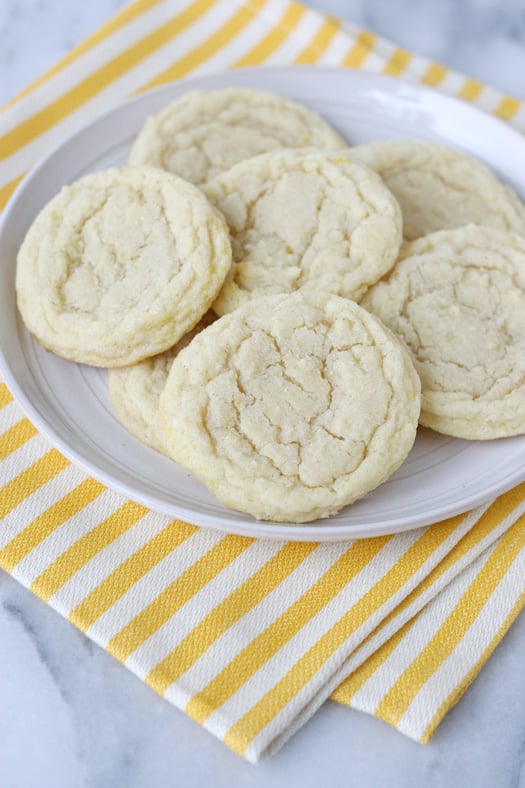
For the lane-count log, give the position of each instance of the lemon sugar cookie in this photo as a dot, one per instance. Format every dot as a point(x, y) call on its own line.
point(204, 133)
point(120, 265)
point(440, 188)
point(292, 406)
point(135, 391)
point(457, 299)
point(304, 219)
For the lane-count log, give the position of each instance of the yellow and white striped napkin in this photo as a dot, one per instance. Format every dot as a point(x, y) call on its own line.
point(248, 637)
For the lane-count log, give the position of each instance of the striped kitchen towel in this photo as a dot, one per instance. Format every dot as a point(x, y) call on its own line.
point(248, 637)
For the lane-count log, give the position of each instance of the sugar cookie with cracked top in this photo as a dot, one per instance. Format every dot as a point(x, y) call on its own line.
point(135, 391)
point(204, 133)
point(440, 188)
point(292, 406)
point(120, 265)
point(304, 219)
point(457, 299)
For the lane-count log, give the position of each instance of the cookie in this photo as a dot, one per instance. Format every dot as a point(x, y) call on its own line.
point(304, 219)
point(205, 133)
point(120, 265)
point(439, 188)
point(292, 406)
point(135, 391)
point(457, 299)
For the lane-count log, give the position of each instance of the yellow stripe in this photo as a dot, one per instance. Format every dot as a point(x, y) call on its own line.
point(7, 190)
point(473, 672)
point(47, 522)
point(399, 697)
point(98, 80)
point(115, 585)
point(398, 62)
point(360, 50)
point(507, 108)
point(320, 42)
point(471, 90)
point(283, 629)
point(5, 395)
point(217, 621)
point(75, 557)
point(286, 25)
point(244, 731)
point(219, 39)
point(15, 436)
point(123, 17)
point(490, 520)
point(435, 74)
point(30, 480)
point(174, 596)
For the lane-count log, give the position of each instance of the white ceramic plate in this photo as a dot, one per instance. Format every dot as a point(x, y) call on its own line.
point(69, 402)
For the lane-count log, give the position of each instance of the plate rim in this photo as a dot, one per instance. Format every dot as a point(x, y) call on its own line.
point(320, 530)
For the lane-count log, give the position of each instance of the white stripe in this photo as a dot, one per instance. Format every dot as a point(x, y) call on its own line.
point(107, 561)
point(296, 40)
point(43, 555)
point(91, 61)
point(379, 54)
point(452, 83)
point(23, 457)
point(336, 50)
point(37, 503)
point(170, 634)
point(519, 118)
point(467, 653)
point(373, 63)
point(417, 67)
point(348, 38)
point(489, 100)
point(10, 415)
point(153, 583)
point(384, 48)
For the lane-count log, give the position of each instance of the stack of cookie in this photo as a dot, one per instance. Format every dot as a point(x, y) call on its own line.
point(353, 292)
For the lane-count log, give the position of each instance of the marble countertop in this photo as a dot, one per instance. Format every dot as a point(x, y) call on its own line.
point(72, 717)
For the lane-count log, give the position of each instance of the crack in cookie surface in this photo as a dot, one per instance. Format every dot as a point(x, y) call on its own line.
point(441, 188)
point(457, 298)
point(292, 407)
point(205, 133)
point(304, 219)
point(120, 265)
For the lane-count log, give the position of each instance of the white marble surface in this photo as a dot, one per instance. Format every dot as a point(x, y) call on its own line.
point(72, 716)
